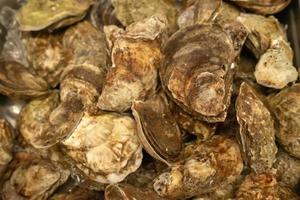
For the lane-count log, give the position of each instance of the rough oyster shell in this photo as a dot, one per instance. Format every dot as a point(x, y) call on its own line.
point(265, 7)
point(39, 14)
point(286, 107)
point(19, 82)
point(135, 56)
point(197, 70)
point(257, 131)
point(105, 147)
point(263, 186)
point(45, 122)
point(7, 136)
point(207, 166)
point(157, 129)
point(125, 191)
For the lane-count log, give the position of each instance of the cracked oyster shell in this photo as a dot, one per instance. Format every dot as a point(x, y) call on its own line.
point(125, 191)
point(36, 15)
point(136, 57)
point(286, 107)
point(157, 129)
point(47, 56)
point(257, 131)
point(265, 7)
point(76, 193)
point(263, 186)
point(7, 136)
point(130, 11)
point(287, 169)
point(19, 82)
point(105, 147)
point(44, 122)
point(207, 165)
point(34, 178)
point(197, 70)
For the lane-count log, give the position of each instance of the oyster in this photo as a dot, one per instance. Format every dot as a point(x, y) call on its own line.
point(7, 136)
point(206, 167)
point(47, 56)
point(83, 77)
point(257, 131)
point(45, 122)
point(76, 193)
point(286, 107)
point(197, 70)
point(263, 186)
point(19, 82)
point(130, 11)
point(124, 192)
point(287, 169)
point(157, 129)
point(34, 178)
point(136, 57)
point(265, 7)
point(40, 14)
point(105, 147)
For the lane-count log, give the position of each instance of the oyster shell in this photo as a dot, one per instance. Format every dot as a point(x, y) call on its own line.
point(263, 186)
point(105, 147)
point(157, 129)
point(34, 178)
point(197, 70)
point(130, 11)
point(7, 136)
point(135, 56)
point(76, 193)
point(257, 131)
point(40, 14)
point(287, 169)
point(124, 192)
point(265, 7)
point(45, 122)
point(286, 107)
point(47, 56)
point(206, 167)
point(19, 82)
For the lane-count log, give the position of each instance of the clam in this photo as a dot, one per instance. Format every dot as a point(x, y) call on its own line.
point(157, 129)
point(7, 136)
point(265, 7)
point(36, 15)
point(105, 147)
point(33, 178)
point(135, 57)
point(206, 166)
point(197, 70)
point(263, 186)
point(125, 191)
point(257, 131)
point(286, 107)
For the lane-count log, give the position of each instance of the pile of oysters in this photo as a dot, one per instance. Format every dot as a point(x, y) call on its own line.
point(149, 99)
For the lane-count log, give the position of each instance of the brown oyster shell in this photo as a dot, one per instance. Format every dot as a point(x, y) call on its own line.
point(19, 82)
point(47, 55)
point(125, 191)
point(7, 136)
point(157, 129)
point(105, 147)
point(197, 70)
point(39, 14)
point(44, 122)
point(286, 107)
point(76, 193)
point(135, 56)
point(207, 166)
point(287, 169)
point(33, 178)
point(263, 186)
point(257, 131)
point(265, 7)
